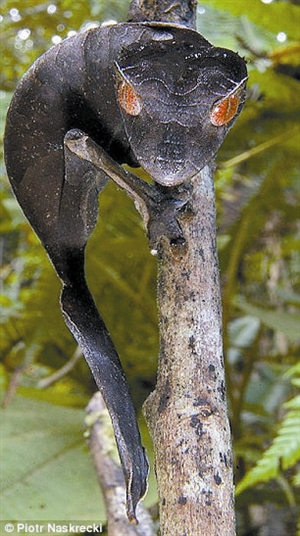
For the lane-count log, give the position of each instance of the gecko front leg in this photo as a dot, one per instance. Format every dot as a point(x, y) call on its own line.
point(159, 206)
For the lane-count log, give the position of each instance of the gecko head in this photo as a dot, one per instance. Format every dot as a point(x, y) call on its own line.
point(178, 96)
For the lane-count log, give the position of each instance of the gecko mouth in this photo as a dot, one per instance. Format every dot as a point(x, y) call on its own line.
point(170, 172)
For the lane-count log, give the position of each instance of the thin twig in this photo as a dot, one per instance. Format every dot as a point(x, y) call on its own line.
point(63, 371)
point(110, 475)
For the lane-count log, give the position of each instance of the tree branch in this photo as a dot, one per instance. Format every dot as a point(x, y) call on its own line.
point(169, 11)
point(187, 412)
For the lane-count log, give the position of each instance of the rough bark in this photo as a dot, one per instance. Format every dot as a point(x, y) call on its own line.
point(183, 12)
point(187, 412)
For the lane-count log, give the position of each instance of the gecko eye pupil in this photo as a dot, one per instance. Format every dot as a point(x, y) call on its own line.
point(129, 99)
point(225, 110)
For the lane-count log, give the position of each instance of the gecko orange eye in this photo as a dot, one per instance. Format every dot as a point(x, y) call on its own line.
point(129, 99)
point(225, 110)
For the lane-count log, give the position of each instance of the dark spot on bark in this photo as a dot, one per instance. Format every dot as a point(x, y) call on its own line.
point(164, 320)
point(200, 401)
point(218, 479)
point(182, 500)
point(197, 425)
point(192, 344)
point(191, 296)
point(201, 253)
point(178, 287)
point(222, 390)
point(208, 495)
point(163, 502)
point(206, 412)
point(185, 273)
point(212, 372)
point(164, 399)
point(225, 459)
point(205, 408)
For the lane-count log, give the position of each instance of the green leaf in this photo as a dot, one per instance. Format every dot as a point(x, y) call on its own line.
point(296, 479)
point(284, 451)
point(243, 331)
point(276, 16)
point(279, 321)
point(46, 467)
point(293, 371)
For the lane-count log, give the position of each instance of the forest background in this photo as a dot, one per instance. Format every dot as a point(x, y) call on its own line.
point(45, 458)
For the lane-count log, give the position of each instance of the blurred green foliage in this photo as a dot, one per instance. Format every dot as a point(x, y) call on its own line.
point(257, 188)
